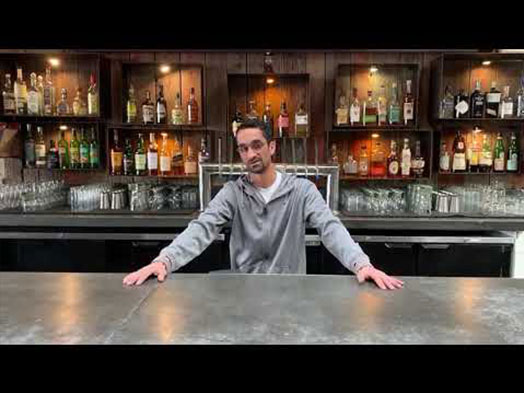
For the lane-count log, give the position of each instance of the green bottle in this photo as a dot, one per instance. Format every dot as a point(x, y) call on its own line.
point(513, 155)
point(94, 156)
point(499, 162)
point(74, 151)
point(140, 157)
point(128, 158)
point(63, 152)
point(84, 151)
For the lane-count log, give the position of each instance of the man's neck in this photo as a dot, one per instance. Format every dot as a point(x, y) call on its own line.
point(265, 179)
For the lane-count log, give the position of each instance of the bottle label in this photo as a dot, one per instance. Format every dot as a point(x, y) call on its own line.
point(408, 111)
point(161, 111)
point(152, 160)
point(393, 168)
point(363, 166)
point(507, 109)
point(459, 162)
point(92, 104)
point(499, 163)
point(140, 162)
point(32, 103)
point(394, 115)
point(177, 117)
point(190, 167)
point(116, 160)
point(75, 155)
point(474, 160)
point(301, 120)
point(460, 145)
point(165, 164)
point(493, 98)
point(462, 107)
point(355, 114)
point(131, 112)
point(491, 111)
point(342, 116)
point(406, 163)
point(94, 158)
point(62, 150)
point(84, 155)
point(30, 153)
point(283, 122)
point(486, 159)
point(444, 162)
point(148, 112)
point(9, 104)
point(513, 162)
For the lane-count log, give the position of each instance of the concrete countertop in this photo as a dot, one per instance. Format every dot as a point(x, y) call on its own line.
point(57, 308)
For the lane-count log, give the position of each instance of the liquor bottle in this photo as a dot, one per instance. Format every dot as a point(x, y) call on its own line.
point(342, 111)
point(394, 106)
point(475, 154)
point(62, 109)
point(49, 94)
point(418, 162)
point(177, 114)
point(92, 97)
point(40, 153)
point(499, 161)
point(507, 104)
point(140, 157)
point(203, 154)
point(301, 122)
point(252, 113)
point(351, 165)
point(461, 105)
point(33, 102)
point(128, 158)
point(409, 105)
point(94, 153)
point(493, 98)
point(40, 89)
point(116, 156)
point(8, 96)
point(152, 155)
point(447, 105)
point(520, 99)
point(148, 110)
point(444, 158)
point(84, 150)
point(513, 154)
point(192, 108)
point(459, 153)
point(405, 165)
point(161, 106)
point(190, 165)
point(131, 109)
point(378, 160)
point(354, 110)
point(393, 162)
point(486, 157)
point(267, 119)
point(165, 158)
point(52, 156)
point(74, 151)
point(333, 158)
point(178, 158)
point(370, 110)
point(20, 94)
point(29, 149)
point(382, 107)
point(283, 121)
point(63, 152)
point(477, 101)
point(363, 162)
point(237, 120)
point(78, 103)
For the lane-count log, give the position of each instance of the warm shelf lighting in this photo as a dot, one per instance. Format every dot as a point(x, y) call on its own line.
point(373, 69)
point(375, 135)
point(54, 61)
point(63, 128)
point(165, 69)
point(486, 63)
point(270, 80)
point(476, 130)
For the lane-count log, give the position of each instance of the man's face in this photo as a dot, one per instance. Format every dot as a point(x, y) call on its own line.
point(254, 150)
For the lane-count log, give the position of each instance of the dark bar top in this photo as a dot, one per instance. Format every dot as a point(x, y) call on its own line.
point(57, 308)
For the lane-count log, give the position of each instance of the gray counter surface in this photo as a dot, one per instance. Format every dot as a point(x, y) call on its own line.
point(56, 308)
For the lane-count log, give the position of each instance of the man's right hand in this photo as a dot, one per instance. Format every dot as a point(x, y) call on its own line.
point(137, 278)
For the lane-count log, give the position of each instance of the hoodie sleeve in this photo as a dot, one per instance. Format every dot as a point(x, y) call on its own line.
point(201, 232)
point(333, 234)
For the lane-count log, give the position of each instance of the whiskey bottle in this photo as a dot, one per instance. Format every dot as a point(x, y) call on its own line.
point(382, 107)
point(444, 158)
point(41, 159)
point(63, 152)
point(283, 121)
point(394, 106)
point(409, 105)
point(370, 110)
point(513, 155)
point(178, 158)
point(342, 111)
point(301, 122)
point(33, 102)
point(74, 151)
point(237, 120)
point(177, 114)
point(94, 153)
point(477, 101)
point(165, 158)
point(486, 157)
point(363, 162)
point(493, 98)
point(333, 160)
point(148, 110)
point(393, 162)
point(161, 107)
point(128, 158)
point(79, 106)
point(20, 94)
point(405, 166)
point(8, 96)
point(29, 149)
point(152, 155)
point(131, 109)
point(499, 161)
point(192, 108)
point(354, 110)
point(461, 105)
point(52, 156)
point(267, 119)
point(351, 165)
point(519, 100)
point(190, 165)
point(507, 105)
point(459, 153)
point(49, 94)
point(62, 108)
point(140, 157)
point(475, 154)
point(418, 162)
point(447, 106)
point(92, 96)
point(203, 154)
point(252, 114)
point(116, 155)
point(40, 88)
point(84, 150)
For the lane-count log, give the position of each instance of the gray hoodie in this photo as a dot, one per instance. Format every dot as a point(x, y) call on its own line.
point(266, 238)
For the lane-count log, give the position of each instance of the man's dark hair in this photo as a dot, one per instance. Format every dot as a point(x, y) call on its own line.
point(254, 123)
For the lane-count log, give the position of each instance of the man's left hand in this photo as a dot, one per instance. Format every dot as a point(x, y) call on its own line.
point(380, 278)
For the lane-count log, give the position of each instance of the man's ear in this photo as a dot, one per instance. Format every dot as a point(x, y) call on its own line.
point(272, 147)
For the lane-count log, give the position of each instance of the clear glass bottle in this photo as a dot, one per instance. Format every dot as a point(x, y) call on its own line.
point(94, 151)
point(63, 152)
point(128, 158)
point(252, 113)
point(116, 155)
point(363, 161)
point(342, 111)
point(131, 108)
point(79, 106)
point(486, 157)
point(40, 88)
point(192, 108)
point(203, 154)
point(301, 122)
point(447, 106)
point(74, 151)
point(140, 156)
point(49, 94)
point(351, 165)
point(513, 154)
point(8, 96)
point(161, 106)
point(394, 106)
point(333, 159)
point(354, 110)
point(283, 121)
point(92, 97)
point(177, 114)
point(33, 102)
point(507, 105)
point(40, 150)
point(267, 119)
point(493, 98)
point(237, 120)
point(20, 94)
point(152, 155)
point(459, 153)
point(393, 161)
point(475, 154)
point(148, 110)
point(29, 148)
point(477, 101)
point(62, 108)
point(382, 106)
point(405, 166)
point(370, 110)
point(165, 157)
point(84, 150)
point(409, 105)
point(444, 158)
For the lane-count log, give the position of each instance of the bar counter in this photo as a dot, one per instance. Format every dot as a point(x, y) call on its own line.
point(49, 308)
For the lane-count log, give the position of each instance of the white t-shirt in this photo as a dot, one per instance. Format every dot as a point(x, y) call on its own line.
point(268, 192)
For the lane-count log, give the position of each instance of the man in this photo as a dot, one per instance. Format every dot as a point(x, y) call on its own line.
point(269, 211)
